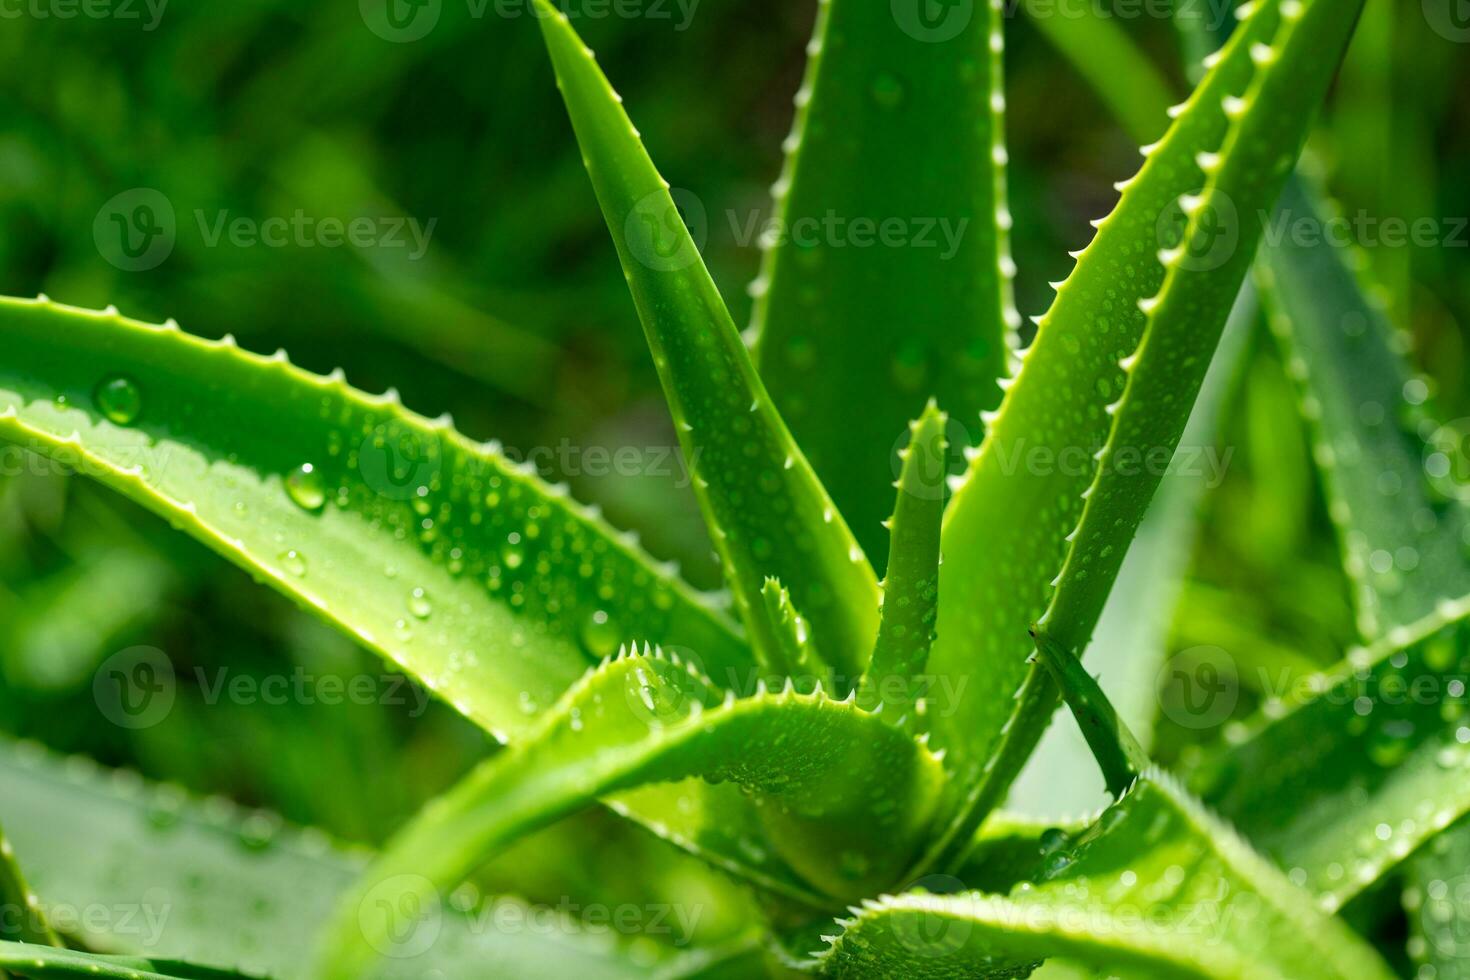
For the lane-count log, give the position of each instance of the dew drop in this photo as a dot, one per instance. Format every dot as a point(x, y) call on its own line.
point(119, 399)
point(600, 634)
point(294, 562)
point(887, 91)
point(304, 486)
point(419, 605)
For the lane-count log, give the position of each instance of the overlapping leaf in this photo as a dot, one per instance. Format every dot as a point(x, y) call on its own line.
point(887, 272)
point(1006, 532)
point(1156, 887)
point(467, 571)
point(847, 796)
point(766, 510)
point(1348, 773)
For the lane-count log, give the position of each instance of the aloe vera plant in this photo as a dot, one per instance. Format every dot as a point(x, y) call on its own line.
point(838, 733)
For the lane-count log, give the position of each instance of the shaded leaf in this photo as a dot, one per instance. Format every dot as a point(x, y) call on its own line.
point(889, 277)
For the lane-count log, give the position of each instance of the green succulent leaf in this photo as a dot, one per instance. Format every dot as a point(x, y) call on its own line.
point(1156, 885)
point(887, 278)
point(1393, 477)
point(463, 568)
point(208, 882)
point(1116, 749)
point(1129, 646)
point(767, 512)
point(911, 587)
point(439, 553)
point(1028, 486)
point(26, 960)
point(836, 781)
point(797, 657)
point(1350, 771)
point(23, 920)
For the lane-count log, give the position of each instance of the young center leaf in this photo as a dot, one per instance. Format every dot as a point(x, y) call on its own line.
point(911, 587)
point(887, 273)
point(767, 512)
point(1111, 376)
point(838, 785)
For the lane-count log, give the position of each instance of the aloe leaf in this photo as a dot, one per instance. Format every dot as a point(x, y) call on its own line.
point(489, 585)
point(24, 921)
point(1349, 772)
point(1437, 900)
point(899, 136)
point(493, 588)
point(208, 882)
point(1025, 491)
point(1156, 886)
point(767, 512)
point(911, 585)
point(1186, 315)
point(1392, 488)
point(651, 718)
point(26, 960)
point(1116, 749)
point(796, 656)
point(1128, 648)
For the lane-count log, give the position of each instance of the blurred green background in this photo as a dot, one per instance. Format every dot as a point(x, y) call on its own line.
point(516, 320)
